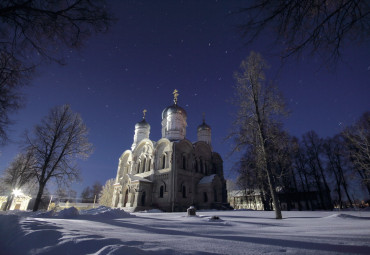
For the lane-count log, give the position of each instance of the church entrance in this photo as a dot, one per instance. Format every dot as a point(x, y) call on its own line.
point(143, 199)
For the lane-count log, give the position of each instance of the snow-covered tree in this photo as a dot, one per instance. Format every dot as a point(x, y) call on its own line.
point(106, 194)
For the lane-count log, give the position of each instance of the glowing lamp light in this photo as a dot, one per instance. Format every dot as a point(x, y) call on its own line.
point(17, 192)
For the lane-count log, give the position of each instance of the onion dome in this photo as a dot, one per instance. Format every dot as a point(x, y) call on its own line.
point(142, 124)
point(204, 132)
point(173, 109)
point(174, 121)
point(142, 131)
point(203, 126)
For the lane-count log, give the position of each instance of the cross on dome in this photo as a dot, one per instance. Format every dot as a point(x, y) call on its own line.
point(175, 95)
point(144, 112)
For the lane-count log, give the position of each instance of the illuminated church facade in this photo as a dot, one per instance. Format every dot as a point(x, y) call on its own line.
point(172, 173)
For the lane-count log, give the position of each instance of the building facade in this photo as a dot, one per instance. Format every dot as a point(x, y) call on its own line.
point(172, 173)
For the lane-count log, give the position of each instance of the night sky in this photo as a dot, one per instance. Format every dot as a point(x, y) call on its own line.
point(194, 47)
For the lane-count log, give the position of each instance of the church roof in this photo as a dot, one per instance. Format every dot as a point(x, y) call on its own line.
point(173, 109)
point(137, 178)
point(142, 124)
point(207, 179)
point(204, 126)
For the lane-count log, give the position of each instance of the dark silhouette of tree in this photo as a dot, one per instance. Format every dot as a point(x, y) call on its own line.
point(96, 189)
point(300, 164)
point(57, 143)
point(259, 108)
point(86, 195)
point(314, 152)
point(357, 140)
point(321, 27)
point(334, 149)
point(35, 31)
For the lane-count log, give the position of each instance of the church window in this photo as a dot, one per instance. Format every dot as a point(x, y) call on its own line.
point(144, 165)
point(161, 190)
point(150, 162)
point(183, 162)
point(184, 191)
point(196, 165)
point(201, 166)
point(205, 197)
point(138, 168)
point(163, 161)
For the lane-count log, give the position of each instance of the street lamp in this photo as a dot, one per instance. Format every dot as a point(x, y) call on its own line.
point(17, 192)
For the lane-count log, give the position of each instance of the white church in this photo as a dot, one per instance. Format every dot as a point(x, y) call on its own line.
point(172, 173)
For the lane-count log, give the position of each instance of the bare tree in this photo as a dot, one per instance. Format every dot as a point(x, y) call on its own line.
point(86, 196)
point(95, 190)
point(57, 143)
point(32, 31)
point(259, 109)
point(322, 27)
point(18, 174)
point(314, 151)
point(300, 164)
point(336, 161)
point(357, 139)
point(106, 194)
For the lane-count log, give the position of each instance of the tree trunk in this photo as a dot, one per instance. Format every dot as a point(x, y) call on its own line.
point(38, 197)
point(275, 199)
point(9, 201)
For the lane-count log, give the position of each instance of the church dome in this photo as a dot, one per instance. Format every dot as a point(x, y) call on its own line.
point(142, 124)
point(203, 126)
point(173, 109)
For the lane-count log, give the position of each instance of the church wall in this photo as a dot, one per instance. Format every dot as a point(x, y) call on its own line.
point(166, 174)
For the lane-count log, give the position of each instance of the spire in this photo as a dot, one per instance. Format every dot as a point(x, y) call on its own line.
point(175, 95)
point(204, 118)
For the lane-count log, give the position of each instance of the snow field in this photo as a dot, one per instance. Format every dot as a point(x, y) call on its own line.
point(113, 231)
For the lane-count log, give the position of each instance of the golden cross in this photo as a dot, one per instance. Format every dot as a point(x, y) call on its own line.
point(175, 95)
point(144, 113)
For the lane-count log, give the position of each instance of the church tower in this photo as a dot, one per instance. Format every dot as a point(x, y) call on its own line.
point(204, 132)
point(174, 121)
point(142, 131)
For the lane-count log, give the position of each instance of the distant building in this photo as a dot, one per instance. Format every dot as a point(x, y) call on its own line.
point(172, 173)
point(19, 202)
point(242, 199)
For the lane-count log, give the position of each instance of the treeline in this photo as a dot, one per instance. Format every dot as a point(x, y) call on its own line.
point(278, 165)
point(330, 167)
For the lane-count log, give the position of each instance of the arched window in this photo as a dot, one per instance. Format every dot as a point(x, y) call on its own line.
point(161, 191)
point(163, 161)
point(183, 191)
point(183, 162)
point(201, 166)
point(126, 198)
point(144, 165)
point(196, 165)
point(138, 168)
point(150, 162)
point(205, 197)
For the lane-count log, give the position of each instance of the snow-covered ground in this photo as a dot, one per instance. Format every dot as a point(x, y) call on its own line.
point(113, 231)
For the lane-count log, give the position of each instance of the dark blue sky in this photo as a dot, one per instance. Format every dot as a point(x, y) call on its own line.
point(194, 47)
